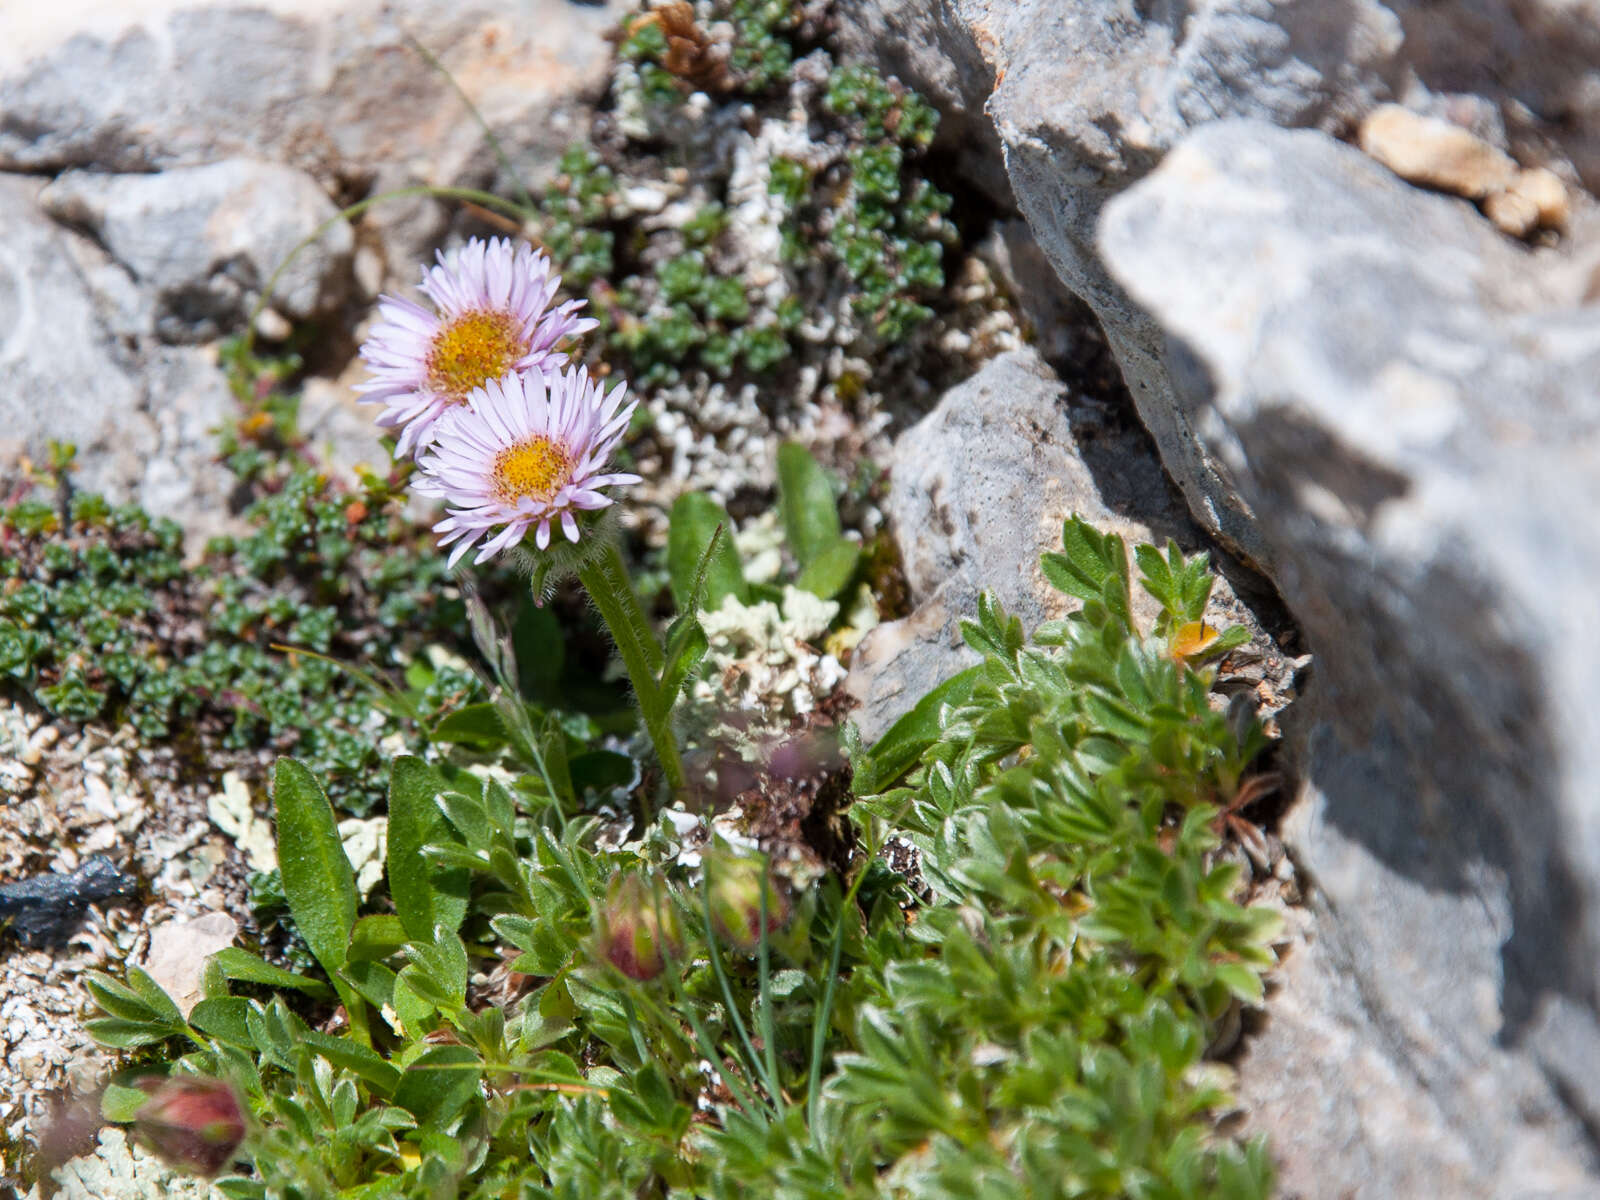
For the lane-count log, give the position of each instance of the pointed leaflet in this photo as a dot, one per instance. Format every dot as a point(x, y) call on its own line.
point(317, 878)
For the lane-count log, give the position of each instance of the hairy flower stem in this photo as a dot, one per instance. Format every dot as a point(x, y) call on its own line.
point(605, 578)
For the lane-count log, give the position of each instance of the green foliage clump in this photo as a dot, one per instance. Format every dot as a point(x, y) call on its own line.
point(889, 233)
point(573, 215)
point(867, 224)
point(1027, 1016)
point(102, 620)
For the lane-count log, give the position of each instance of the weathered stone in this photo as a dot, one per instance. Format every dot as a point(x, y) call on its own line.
point(1536, 199)
point(46, 909)
point(332, 89)
point(1088, 95)
point(1435, 153)
point(75, 367)
point(940, 48)
point(1411, 406)
point(978, 490)
point(176, 957)
point(204, 240)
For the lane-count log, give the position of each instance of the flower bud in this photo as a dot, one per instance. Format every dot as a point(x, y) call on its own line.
point(638, 929)
point(193, 1122)
point(736, 882)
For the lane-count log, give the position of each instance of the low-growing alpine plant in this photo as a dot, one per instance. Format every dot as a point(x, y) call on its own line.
point(537, 1010)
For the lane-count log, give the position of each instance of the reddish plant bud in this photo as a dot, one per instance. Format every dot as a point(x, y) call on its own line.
point(193, 1122)
point(736, 882)
point(638, 929)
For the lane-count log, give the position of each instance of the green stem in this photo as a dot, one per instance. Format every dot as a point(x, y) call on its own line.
point(605, 578)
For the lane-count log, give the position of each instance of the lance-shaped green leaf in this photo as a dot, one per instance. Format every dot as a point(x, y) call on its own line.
point(699, 561)
point(317, 879)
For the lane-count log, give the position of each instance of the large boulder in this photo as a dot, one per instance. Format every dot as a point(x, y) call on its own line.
point(1409, 403)
point(1087, 96)
point(203, 241)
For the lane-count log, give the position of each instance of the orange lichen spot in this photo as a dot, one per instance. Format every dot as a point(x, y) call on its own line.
point(1193, 640)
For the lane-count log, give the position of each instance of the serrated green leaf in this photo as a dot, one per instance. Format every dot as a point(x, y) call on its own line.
point(366, 1063)
point(161, 1005)
point(124, 1034)
point(806, 504)
point(424, 893)
point(467, 815)
point(117, 998)
point(120, 1104)
point(317, 879)
point(686, 647)
point(225, 1018)
point(477, 725)
point(897, 751)
point(377, 936)
point(439, 1083)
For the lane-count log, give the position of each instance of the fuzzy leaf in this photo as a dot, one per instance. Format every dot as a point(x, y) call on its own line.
point(439, 1083)
point(831, 571)
point(317, 879)
point(239, 964)
point(897, 751)
point(424, 894)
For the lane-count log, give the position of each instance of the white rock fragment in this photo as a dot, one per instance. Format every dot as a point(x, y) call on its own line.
point(119, 1170)
point(230, 810)
point(1435, 153)
point(176, 957)
point(365, 845)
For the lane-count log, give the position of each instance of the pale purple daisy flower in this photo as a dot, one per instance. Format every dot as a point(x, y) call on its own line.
point(494, 319)
point(523, 453)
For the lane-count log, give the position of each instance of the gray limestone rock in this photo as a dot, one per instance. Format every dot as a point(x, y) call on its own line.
point(204, 240)
point(978, 490)
point(332, 89)
point(1410, 405)
point(76, 366)
point(1087, 96)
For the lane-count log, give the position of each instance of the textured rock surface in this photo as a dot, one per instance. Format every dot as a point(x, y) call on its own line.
point(1088, 95)
point(330, 88)
point(193, 146)
point(1411, 406)
point(204, 240)
point(78, 364)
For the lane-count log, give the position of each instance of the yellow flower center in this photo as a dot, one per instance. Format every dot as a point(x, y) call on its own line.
point(531, 469)
point(473, 349)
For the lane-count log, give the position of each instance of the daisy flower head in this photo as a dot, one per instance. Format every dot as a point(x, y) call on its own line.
point(493, 318)
point(524, 453)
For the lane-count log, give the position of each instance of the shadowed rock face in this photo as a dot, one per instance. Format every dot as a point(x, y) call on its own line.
point(45, 910)
point(1411, 407)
